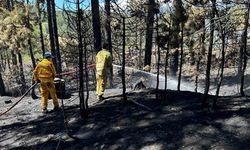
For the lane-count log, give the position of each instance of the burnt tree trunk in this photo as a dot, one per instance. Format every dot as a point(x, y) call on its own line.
point(10, 5)
point(149, 33)
point(40, 25)
point(209, 55)
point(197, 76)
point(108, 32)
point(166, 73)
point(29, 40)
point(178, 17)
point(14, 59)
point(8, 59)
point(86, 74)
point(223, 36)
point(243, 48)
point(222, 68)
point(31, 53)
point(96, 25)
point(2, 86)
point(2, 63)
point(166, 66)
point(51, 32)
point(198, 63)
point(140, 52)
point(123, 59)
point(159, 58)
point(21, 71)
point(181, 63)
point(55, 31)
point(83, 109)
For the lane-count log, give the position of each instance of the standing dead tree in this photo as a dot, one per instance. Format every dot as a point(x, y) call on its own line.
point(29, 38)
point(243, 48)
point(83, 107)
point(122, 16)
point(79, 44)
point(55, 30)
point(51, 32)
point(53, 35)
point(149, 32)
point(109, 38)
point(2, 85)
point(40, 25)
point(209, 55)
point(222, 29)
point(96, 25)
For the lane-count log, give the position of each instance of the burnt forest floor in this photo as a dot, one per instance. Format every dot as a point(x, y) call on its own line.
point(177, 122)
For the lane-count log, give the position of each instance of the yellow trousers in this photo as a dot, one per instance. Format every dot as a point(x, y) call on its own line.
point(47, 87)
point(101, 81)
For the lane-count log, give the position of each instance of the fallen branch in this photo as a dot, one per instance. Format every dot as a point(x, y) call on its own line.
point(141, 105)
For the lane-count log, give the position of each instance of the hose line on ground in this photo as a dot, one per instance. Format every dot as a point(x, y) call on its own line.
point(1, 114)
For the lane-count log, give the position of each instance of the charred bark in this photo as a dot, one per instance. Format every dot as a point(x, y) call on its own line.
point(158, 60)
point(40, 26)
point(180, 70)
point(51, 32)
point(55, 31)
point(209, 55)
point(29, 40)
point(83, 109)
point(243, 48)
point(2, 86)
point(96, 25)
point(123, 60)
point(108, 32)
point(21, 71)
point(14, 58)
point(149, 33)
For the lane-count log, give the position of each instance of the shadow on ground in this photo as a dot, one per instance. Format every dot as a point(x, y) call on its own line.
point(177, 122)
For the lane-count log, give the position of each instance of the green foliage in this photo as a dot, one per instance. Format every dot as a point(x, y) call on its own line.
point(62, 25)
point(13, 28)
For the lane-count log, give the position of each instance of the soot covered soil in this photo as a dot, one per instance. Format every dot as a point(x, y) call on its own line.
point(177, 122)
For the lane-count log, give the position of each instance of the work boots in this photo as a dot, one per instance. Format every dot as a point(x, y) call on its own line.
point(45, 111)
point(56, 109)
point(100, 98)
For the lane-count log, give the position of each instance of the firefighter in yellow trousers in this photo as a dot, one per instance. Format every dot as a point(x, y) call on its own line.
point(103, 64)
point(45, 73)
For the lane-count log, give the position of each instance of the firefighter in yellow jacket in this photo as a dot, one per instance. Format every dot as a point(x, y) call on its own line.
point(103, 64)
point(45, 73)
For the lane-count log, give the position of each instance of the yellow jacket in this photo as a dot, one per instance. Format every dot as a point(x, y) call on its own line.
point(44, 69)
point(103, 62)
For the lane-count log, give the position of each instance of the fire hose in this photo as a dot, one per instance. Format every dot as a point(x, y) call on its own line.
point(62, 74)
point(75, 70)
point(1, 114)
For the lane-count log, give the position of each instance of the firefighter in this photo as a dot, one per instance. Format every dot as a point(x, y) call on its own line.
point(103, 64)
point(44, 74)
